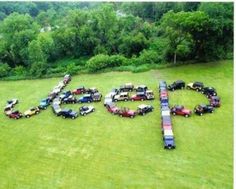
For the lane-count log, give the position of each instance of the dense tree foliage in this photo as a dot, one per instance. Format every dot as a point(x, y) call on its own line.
point(34, 36)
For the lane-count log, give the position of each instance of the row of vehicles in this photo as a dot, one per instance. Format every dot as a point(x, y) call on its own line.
point(166, 124)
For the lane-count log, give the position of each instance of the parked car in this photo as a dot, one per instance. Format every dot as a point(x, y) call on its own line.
point(56, 101)
point(92, 90)
point(163, 89)
point(163, 93)
point(166, 120)
point(112, 108)
point(84, 110)
point(168, 139)
point(13, 101)
point(197, 86)
point(124, 96)
point(165, 113)
point(15, 115)
point(56, 109)
point(87, 98)
point(150, 95)
point(179, 84)
point(128, 87)
point(203, 108)
point(126, 112)
point(114, 92)
point(162, 84)
point(44, 103)
point(107, 99)
point(144, 109)
point(32, 111)
point(164, 101)
point(52, 96)
point(215, 101)
point(97, 97)
point(139, 96)
point(8, 109)
point(56, 90)
point(69, 100)
point(61, 85)
point(141, 88)
point(68, 113)
point(209, 91)
point(67, 79)
point(79, 90)
point(180, 110)
point(65, 94)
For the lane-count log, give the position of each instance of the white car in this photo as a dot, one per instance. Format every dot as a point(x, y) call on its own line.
point(56, 101)
point(84, 110)
point(108, 99)
point(12, 102)
point(165, 113)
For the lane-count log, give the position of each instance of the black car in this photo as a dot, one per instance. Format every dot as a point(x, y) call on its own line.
point(198, 86)
point(209, 91)
point(91, 90)
point(68, 113)
point(128, 87)
point(141, 88)
point(65, 95)
point(203, 108)
point(143, 109)
point(69, 100)
point(179, 84)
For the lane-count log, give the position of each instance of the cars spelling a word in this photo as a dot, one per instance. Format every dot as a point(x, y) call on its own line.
point(32, 111)
point(180, 110)
point(179, 84)
point(197, 86)
point(203, 108)
point(84, 110)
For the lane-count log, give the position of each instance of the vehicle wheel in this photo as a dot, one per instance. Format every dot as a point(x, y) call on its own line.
point(174, 113)
point(64, 117)
point(141, 99)
point(211, 111)
point(73, 117)
point(125, 100)
point(89, 101)
point(27, 116)
point(37, 112)
point(197, 90)
point(80, 102)
point(93, 110)
point(188, 87)
point(131, 116)
point(116, 100)
point(121, 116)
point(143, 113)
point(200, 114)
point(132, 100)
point(182, 87)
point(173, 89)
point(15, 118)
point(186, 115)
point(45, 108)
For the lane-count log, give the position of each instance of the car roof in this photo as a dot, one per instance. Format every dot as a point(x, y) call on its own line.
point(168, 132)
point(124, 93)
point(179, 106)
point(149, 91)
point(198, 83)
point(215, 98)
point(140, 93)
point(87, 95)
point(142, 106)
point(128, 84)
point(179, 81)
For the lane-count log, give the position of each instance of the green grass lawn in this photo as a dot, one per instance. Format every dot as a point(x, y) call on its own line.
point(106, 151)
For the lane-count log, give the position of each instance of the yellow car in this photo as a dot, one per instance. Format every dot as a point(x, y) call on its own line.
point(31, 111)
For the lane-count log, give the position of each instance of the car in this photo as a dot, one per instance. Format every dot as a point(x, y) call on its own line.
point(209, 91)
point(163, 93)
point(203, 108)
point(56, 109)
point(165, 113)
point(107, 99)
point(164, 101)
point(61, 85)
point(91, 90)
point(126, 112)
point(165, 108)
point(69, 100)
point(179, 84)
point(180, 110)
point(56, 90)
point(162, 84)
point(84, 110)
point(114, 92)
point(124, 96)
point(166, 120)
point(44, 103)
point(128, 87)
point(112, 108)
point(67, 79)
point(68, 113)
point(143, 109)
point(65, 94)
point(163, 89)
point(15, 115)
point(215, 101)
point(8, 109)
point(13, 101)
point(97, 97)
point(169, 142)
point(87, 98)
point(139, 96)
point(149, 95)
point(141, 88)
point(52, 96)
point(79, 90)
point(31, 111)
point(56, 101)
point(197, 86)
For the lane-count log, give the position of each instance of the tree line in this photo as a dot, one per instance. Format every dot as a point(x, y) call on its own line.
point(35, 37)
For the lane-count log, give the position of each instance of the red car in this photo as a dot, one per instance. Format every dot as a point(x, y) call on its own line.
point(126, 113)
point(15, 115)
point(112, 108)
point(180, 110)
point(79, 90)
point(139, 96)
point(163, 94)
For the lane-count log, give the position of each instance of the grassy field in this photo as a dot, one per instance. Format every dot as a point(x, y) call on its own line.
point(106, 151)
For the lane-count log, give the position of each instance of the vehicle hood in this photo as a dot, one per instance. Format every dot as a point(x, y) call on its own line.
point(186, 111)
point(190, 84)
point(27, 112)
point(131, 112)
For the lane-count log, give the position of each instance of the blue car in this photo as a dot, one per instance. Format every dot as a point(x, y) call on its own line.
point(86, 99)
point(169, 142)
point(44, 103)
point(65, 95)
